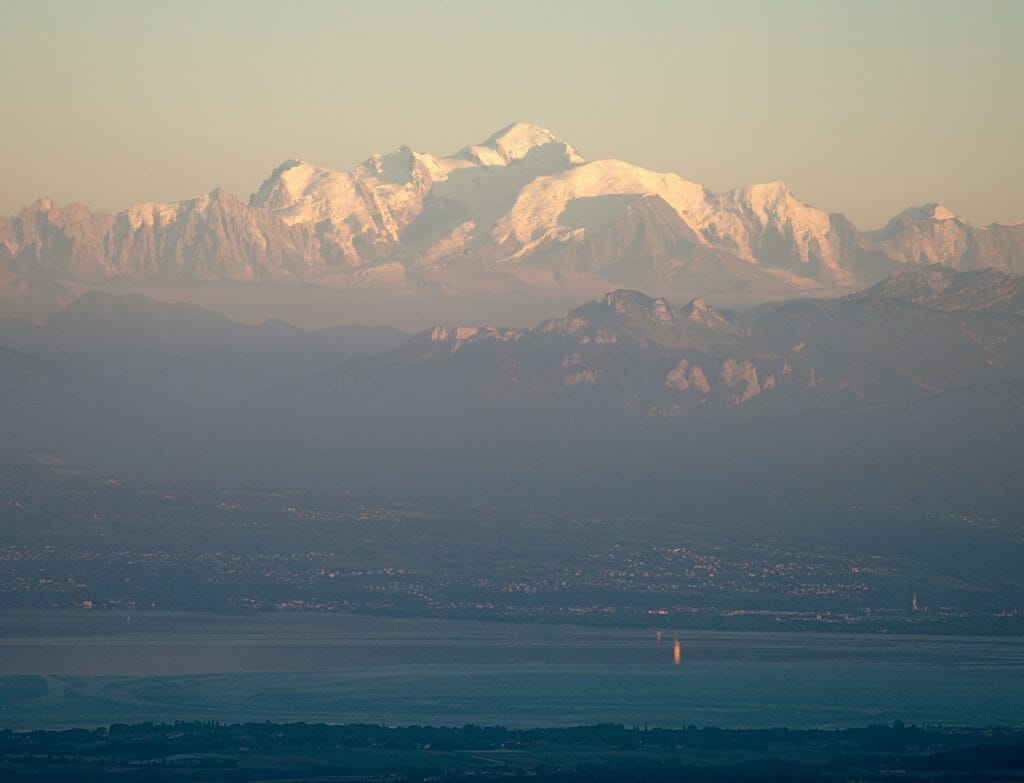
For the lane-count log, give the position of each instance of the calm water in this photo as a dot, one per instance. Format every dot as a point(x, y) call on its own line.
point(60, 669)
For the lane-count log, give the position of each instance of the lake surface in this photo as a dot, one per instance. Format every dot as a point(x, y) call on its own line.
point(64, 669)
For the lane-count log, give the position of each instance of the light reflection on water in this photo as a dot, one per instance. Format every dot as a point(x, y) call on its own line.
point(66, 669)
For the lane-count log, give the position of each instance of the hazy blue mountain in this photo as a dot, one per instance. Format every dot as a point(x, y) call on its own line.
point(906, 395)
point(135, 374)
point(870, 399)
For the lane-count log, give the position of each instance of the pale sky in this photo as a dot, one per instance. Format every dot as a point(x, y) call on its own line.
point(860, 107)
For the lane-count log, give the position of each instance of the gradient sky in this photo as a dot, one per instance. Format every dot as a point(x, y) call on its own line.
point(861, 107)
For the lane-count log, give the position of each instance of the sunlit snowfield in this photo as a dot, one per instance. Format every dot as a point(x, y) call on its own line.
point(91, 668)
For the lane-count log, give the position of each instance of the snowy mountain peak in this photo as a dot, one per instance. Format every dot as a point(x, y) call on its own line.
point(766, 199)
point(931, 211)
point(514, 142)
point(520, 134)
point(288, 165)
point(284, 184)
point(396, 167)
point(940, 212)
point(520, 211)
point(768, 190)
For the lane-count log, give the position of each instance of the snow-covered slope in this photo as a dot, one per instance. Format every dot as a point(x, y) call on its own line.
point(523, 198)
point(520, 212)
point(514, 143)
point(366, 212)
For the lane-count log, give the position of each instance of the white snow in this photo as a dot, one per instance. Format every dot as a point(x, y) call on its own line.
point(535, 214)
point(152, 214)
point(513, 143)
point(386, 193)
point(520, 188)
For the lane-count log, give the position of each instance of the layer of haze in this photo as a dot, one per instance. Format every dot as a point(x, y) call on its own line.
point(863, 108)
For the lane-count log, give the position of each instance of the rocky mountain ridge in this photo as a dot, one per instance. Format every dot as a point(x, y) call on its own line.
point(908, 393)
point(521, 212)
point(921, 331)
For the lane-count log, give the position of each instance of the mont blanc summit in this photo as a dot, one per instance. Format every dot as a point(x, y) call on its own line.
point(521, 212)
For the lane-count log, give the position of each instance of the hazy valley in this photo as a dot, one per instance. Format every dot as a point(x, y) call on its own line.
point(823, 463)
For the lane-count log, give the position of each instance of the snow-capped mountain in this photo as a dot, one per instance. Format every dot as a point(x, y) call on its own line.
point(521, 211)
